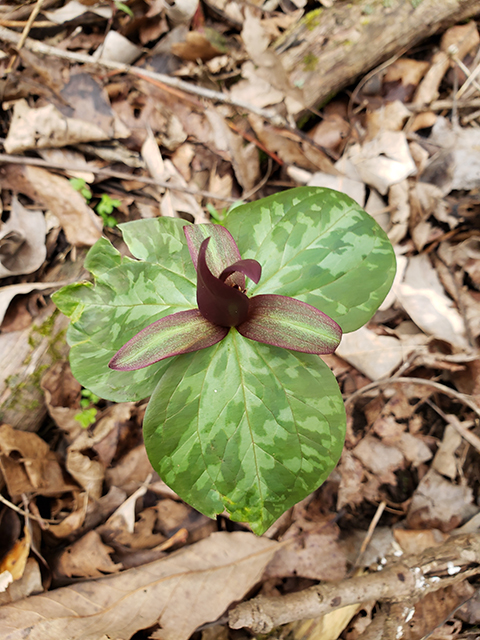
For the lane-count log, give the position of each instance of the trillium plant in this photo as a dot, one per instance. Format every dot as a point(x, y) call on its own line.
point(223, 327)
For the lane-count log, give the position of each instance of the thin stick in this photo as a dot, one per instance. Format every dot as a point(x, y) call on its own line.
point(39, 47)
point(371, 529)
point(460, 427)
point(39, 162)
point(25, 32)
point(24, 513)
point(461, 397)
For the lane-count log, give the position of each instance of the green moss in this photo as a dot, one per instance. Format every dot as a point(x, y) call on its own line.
point(311, 19)
point(310, 62)
point(23, 394)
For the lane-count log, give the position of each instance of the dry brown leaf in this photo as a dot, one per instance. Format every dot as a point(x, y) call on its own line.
point(437, 503)
point(81, 225)
point(9, 292)
point(424, 299)
point(86, 558)
point(29, 584)
point(62, 397)
point(130, 470)
point(315, 554)
point(196, 47)
point(181, 592)
point(22, 241)
point(415, 541)
point(16, 559)
point(445, 461)
point(375, 356)
point(381, 459)
point(356, 484)
point(87, 472)
point(33, 467)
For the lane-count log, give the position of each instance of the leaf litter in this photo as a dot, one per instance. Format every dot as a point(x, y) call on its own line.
point(88, 520)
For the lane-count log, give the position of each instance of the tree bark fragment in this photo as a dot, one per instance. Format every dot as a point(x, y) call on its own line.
point(407, 580)
point(329, 48)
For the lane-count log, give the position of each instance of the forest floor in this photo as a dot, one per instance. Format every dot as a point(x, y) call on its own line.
point(191, 128)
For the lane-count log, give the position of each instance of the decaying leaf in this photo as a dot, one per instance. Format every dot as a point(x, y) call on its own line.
point(181, 592)
point(82, 227)
point(28, 465)
point(22, 241)
point(426, 302)
point(86, 558)
point(375, 356)
point(9, 292)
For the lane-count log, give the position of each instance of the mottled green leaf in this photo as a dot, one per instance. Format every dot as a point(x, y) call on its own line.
point(245, 427)
point(319, 246)
point(127, 296)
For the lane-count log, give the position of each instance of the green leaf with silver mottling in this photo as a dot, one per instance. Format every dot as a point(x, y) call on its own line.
point(127, 296)
point(245, 427)
point(319, 246)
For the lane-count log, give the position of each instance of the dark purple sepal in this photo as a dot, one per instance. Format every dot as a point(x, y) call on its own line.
point(290, 324)
point(222, 251)
point(172, 335)
point(250, 268)
point(218, 302)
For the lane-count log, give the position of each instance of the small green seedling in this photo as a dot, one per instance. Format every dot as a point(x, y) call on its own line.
point(88, 415)
point(223, 327)
point(104, 208)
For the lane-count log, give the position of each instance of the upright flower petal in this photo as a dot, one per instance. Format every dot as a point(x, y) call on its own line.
point(249, 267)
point(291, 324)
point(172, 335)
point(218, 302)
point(222, 250)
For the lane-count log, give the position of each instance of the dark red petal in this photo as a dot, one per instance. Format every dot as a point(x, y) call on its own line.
point(172, 335)
point(222, 251)
point(251, 268)
point(218, 302)
point(291, 324)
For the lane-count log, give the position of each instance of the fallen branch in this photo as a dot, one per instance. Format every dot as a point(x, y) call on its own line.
point(409, 579)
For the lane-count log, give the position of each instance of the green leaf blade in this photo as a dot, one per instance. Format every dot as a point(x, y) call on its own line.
point(319, 246)
point(246, 427)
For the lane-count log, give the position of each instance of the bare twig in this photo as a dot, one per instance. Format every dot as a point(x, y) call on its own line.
point(460, 427)
point(409, 579)
point(39, 162)
point(25, 32)
point(371, 529)
point(461, 397)
point(40, 48)
point(23, 513)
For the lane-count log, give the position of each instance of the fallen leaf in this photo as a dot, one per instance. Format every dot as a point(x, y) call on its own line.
point(415, 541)
point(118, 48)
point(75, 9)
point(130, 470)
point(424, 299)
point(445, 460)
point(62, 397)
point(16, 559)
point(181, 592)
point(375, 356)
point(29, 584)
point(315, 554)
point(85, 558)
point(440, 504)
point(87, 472)
point(33, 468)
point(22, 241)
point(380, 458)
point(381, 162)
point(82, 227)
point(9, 292)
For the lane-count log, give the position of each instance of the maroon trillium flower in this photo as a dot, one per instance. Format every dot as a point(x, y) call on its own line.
point(222, 304)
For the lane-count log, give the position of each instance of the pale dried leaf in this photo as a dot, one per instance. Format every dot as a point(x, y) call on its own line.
point(181, 592)
point(375, 356)
point(424, 299)
point(22, 241)
point(74, 9)
point(86, 558)
point(440, 504)
point(88, 473)
point(9, 292)
point(117, 48)
point(380, 458)
point(415, 541)
point(445, 460)
point(30, 583)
